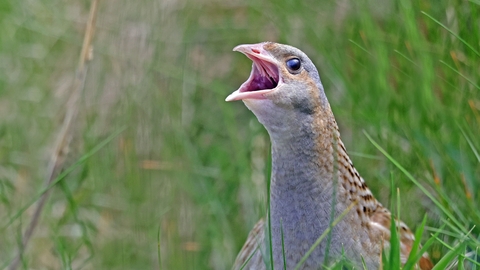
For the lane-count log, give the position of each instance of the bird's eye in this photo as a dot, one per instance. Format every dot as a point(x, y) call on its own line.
point(294, 64)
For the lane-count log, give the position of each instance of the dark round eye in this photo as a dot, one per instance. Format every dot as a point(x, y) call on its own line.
point(294, 64)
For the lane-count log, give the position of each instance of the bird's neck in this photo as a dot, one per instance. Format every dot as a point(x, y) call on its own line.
point(305, 186)
point(305, 159)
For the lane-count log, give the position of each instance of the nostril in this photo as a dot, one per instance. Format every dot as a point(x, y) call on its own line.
point(255, 51)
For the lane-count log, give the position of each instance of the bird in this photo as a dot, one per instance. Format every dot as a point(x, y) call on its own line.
point(313, 180)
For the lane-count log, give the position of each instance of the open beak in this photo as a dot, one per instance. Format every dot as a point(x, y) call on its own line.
point(264, 77)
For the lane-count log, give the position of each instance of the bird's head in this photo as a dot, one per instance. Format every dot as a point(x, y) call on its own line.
point(284, 88)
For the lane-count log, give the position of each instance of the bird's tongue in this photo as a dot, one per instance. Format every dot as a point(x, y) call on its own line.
point(264, 76)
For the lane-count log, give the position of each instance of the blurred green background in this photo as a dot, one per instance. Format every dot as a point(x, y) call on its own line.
point(183, 184)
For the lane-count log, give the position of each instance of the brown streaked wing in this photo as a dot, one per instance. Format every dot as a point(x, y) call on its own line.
point(254, 242)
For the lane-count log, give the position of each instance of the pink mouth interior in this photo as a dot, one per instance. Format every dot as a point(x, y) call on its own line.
point(264, 76)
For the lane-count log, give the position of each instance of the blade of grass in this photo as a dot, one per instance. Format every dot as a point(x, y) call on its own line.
point(474, 150)
point(394, 260)
point(406, 57)
point(409, 176)
point(451, 32)
point(364, 264)
point(360, 46)
point(398, 204)
point(260, 242)
point(249, 258)
point(416, 244)
point(463, 76)
point(424, 248)
point(384, 264)
point(460, 234)
point(460, 263)
point(474, 267)
point(283, 246)
point(447, 258)
point(444, 232)
point(463, 239)
point(270, 243)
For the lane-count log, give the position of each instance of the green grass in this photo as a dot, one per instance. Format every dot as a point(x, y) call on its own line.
point(186, 180)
